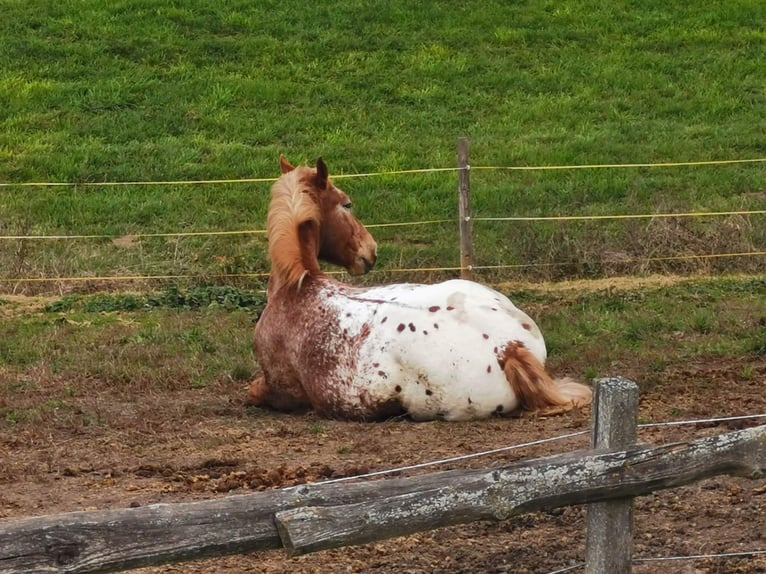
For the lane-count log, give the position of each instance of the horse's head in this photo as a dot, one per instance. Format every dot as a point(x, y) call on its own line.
point(343, 240)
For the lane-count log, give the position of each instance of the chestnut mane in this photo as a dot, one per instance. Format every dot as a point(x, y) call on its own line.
point(293, 208)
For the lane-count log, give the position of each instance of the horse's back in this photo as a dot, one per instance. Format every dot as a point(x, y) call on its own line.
point(450, 313)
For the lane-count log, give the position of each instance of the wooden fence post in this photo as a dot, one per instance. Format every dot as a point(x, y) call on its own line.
point(609, 544)
point(466, 224)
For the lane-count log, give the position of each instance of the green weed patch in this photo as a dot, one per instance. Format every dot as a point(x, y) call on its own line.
point(171, 298)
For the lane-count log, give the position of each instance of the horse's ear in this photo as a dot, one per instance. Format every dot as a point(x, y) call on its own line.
point(322, 173)
point(285, 165)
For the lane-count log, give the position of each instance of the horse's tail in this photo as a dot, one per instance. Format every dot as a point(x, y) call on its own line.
point(536, 390)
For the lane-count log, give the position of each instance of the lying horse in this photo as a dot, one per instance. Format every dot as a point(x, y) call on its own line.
point(454, 351)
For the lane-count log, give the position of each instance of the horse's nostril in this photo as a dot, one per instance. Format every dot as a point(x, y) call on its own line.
point(367, 264)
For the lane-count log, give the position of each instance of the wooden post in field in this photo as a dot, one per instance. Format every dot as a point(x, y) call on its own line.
point(609, 545)
point(466, 225)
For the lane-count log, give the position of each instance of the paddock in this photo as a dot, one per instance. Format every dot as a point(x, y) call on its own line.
point(236, 461)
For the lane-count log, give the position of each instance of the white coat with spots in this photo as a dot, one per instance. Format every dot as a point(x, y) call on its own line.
point(435, 348)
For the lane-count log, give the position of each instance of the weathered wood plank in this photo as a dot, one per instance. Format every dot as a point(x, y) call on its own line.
point(609, 543)
point(453, 498)
point(115, 540)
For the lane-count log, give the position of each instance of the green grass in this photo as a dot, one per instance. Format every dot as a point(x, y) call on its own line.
point(142, 91)
point(659, 326)
point(162, 350)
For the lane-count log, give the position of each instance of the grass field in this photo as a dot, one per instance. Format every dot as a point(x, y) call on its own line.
point(160, 91)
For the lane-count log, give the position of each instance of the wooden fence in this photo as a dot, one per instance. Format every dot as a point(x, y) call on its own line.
point(314, 517)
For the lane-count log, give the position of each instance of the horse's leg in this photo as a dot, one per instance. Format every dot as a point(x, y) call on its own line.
point(286, 397)
point(257, 392)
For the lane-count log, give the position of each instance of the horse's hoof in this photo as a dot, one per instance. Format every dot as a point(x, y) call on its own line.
point(256, 392)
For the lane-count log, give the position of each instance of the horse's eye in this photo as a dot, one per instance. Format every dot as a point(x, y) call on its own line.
point(347, 205)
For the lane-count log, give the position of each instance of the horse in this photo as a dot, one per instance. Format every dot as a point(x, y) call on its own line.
point(451, 351)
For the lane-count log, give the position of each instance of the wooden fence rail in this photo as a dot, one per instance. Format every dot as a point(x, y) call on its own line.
point(309, 517)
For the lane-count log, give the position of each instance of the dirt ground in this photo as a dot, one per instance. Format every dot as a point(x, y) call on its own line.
point(203, 443)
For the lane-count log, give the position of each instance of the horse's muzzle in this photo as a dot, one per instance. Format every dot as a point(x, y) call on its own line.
point(368, 264)
point(362, 265)
point(366, 255)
